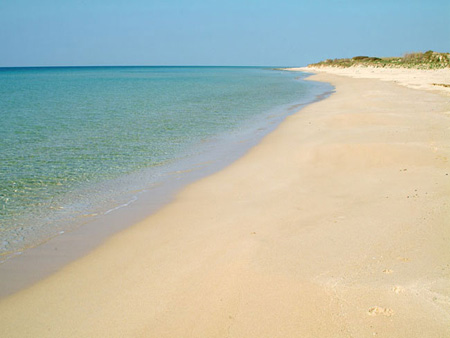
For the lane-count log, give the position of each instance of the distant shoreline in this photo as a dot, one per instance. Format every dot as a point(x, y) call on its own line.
point(437, 80)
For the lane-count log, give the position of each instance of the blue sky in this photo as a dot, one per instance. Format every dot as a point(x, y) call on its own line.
point(226, 32)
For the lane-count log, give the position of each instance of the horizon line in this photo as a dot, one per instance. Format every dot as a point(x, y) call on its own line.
point(155, 66)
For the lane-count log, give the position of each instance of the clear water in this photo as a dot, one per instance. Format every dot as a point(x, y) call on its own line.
point(78, 141)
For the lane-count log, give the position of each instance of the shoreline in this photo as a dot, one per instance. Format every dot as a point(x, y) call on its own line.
point(72, 190)
point(288, 240)
point(24, 268)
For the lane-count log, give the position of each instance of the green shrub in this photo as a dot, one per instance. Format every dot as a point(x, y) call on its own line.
point(360, 57)
point(427, 60)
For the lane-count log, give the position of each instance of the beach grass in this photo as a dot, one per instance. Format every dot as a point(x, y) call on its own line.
point(418, 60)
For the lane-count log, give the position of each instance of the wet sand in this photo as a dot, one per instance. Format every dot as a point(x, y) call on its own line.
point(335, 225)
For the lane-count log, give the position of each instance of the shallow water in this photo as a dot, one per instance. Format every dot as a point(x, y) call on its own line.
point(82, 142)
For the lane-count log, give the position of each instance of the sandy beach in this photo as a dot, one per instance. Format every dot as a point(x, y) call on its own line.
point(335, 225)
point(437, 80)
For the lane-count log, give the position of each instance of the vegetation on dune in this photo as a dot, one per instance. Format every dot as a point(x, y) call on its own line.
point(427, 60)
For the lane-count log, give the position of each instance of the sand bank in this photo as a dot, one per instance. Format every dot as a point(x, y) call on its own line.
point(335, 225)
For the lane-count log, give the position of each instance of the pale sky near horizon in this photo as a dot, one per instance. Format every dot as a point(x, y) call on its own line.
point(233, 32)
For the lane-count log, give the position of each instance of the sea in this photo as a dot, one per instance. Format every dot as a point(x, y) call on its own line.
point(79, 143)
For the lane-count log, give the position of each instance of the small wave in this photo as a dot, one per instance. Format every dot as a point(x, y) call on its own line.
point(134, 199)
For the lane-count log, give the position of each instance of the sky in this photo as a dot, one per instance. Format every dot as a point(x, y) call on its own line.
point(225, 32)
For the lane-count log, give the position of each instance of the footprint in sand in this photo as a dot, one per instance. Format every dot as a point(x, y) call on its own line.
point(388, 271)
point(398, 289)
point(377, 310)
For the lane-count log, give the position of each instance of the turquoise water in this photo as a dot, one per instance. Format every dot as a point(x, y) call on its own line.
point(79, 141)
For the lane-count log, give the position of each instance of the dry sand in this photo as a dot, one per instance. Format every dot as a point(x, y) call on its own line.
point(336, 225)
point(429, 79)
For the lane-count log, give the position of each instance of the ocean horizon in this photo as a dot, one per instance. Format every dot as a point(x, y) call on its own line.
point(79, 142)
